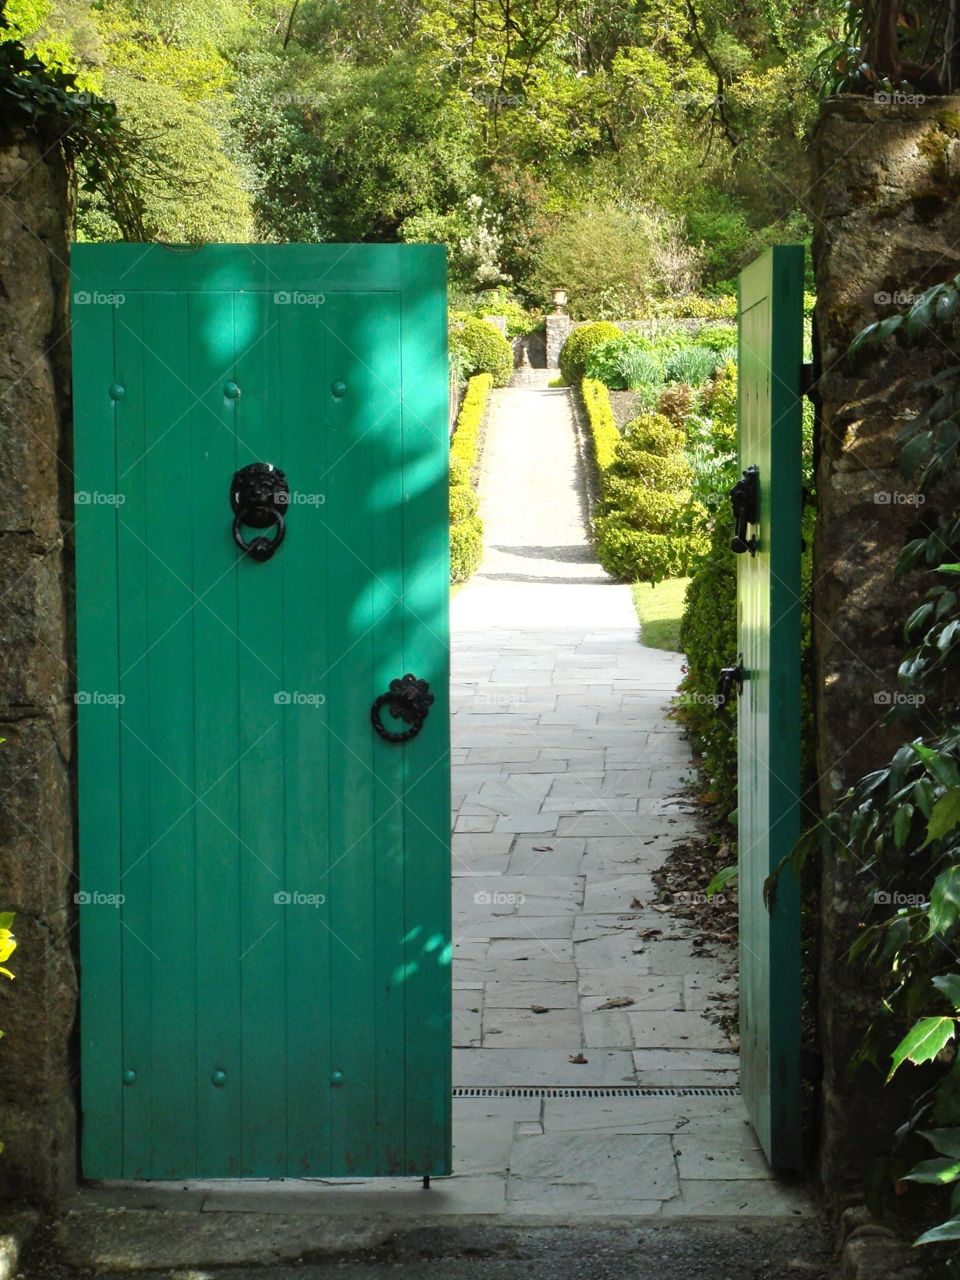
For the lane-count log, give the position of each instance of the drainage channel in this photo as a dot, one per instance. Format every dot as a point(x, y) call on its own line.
point(597, 1091)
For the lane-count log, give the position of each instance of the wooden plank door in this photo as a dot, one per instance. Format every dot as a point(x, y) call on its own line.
point(768, 634)
point(264, 879)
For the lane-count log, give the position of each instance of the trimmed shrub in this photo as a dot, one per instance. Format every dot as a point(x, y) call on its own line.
point(466, 527)
point(482, 348)
point(708, 636)
point(464, 503)
point(650, 432)
point(465, 446)
point(466, 548)
point(602, 423)
point(582, 340)
point(638, 554)
point(459, 472)
point(721, 337)
point(642, 506)
point(644, 484)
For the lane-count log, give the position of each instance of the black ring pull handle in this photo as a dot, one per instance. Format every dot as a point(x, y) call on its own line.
point(407, 699)
point(745, 500)
point(259, 496)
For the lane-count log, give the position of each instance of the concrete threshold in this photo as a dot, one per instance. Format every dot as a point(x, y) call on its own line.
point(116, 1241)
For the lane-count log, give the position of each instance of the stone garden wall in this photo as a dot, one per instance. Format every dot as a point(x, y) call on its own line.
point(886, 224)
point(37, 1009)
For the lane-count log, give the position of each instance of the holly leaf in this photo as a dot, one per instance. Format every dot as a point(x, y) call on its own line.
point(946, 1141)
point(937, 1172)
point(922, 1042)
point(945, 816)
point(948, 984)
point(944, 910)
point(949, 1230)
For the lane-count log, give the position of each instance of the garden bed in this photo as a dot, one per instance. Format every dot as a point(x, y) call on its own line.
point(624, 406)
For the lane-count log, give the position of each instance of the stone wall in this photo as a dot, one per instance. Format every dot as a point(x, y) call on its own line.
point(37, 1009)
point(886, 223)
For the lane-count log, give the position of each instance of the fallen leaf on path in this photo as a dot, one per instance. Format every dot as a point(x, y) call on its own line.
point(661, 907)
point(539, 1008)
point(543, 848)
point(637, 905)
point(616, 1002)
point(650, 933)
point(578, 1060)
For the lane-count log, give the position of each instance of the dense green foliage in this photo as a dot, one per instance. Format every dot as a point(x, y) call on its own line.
point(574, 352)
point(481, 348)
point(708, 637)
point(632, 152)
point(466, 526)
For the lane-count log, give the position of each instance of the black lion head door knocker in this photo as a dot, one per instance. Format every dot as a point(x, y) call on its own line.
point(259, 496)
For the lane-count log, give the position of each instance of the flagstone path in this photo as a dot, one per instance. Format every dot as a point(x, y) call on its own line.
point(567, 782)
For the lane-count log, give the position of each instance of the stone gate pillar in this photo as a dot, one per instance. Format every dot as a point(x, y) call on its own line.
point(886, 221)
point(37, 1009)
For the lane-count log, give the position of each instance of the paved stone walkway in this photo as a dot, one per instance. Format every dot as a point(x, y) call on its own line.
point(568, 971)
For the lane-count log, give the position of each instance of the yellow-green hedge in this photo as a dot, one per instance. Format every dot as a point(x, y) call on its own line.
point(603, 425)
point(466, 527)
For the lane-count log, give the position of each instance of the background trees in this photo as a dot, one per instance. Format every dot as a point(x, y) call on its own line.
point(517, 131)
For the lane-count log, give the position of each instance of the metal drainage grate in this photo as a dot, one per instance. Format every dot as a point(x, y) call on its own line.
point(598, 1091)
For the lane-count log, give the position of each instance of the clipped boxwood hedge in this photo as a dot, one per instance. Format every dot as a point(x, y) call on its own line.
point(645, 492)
point(482, 348)
point(466, 527)
point(603, 425)
point(573, 353)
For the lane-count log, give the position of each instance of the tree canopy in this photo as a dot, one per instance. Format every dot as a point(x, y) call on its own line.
point(516, 131)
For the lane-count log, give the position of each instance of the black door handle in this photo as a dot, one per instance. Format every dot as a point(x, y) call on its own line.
point(407, 699)
point(730, 682)
point(259, 496)
point(745, 500)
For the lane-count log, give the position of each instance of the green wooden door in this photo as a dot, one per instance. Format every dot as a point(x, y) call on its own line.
point(768, 636)
point(264, 880)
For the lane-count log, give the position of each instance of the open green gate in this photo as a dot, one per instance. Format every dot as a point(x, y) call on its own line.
point(768, 539)
point(264, 821)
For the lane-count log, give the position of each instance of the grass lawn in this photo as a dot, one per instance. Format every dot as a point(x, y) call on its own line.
point(659, 609)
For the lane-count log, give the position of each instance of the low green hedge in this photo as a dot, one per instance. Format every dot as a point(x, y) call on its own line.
point(481, 348)
point(708, 637)
point(466, 527)
point(644, 492)
point(603, 425)
point(574, 352)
